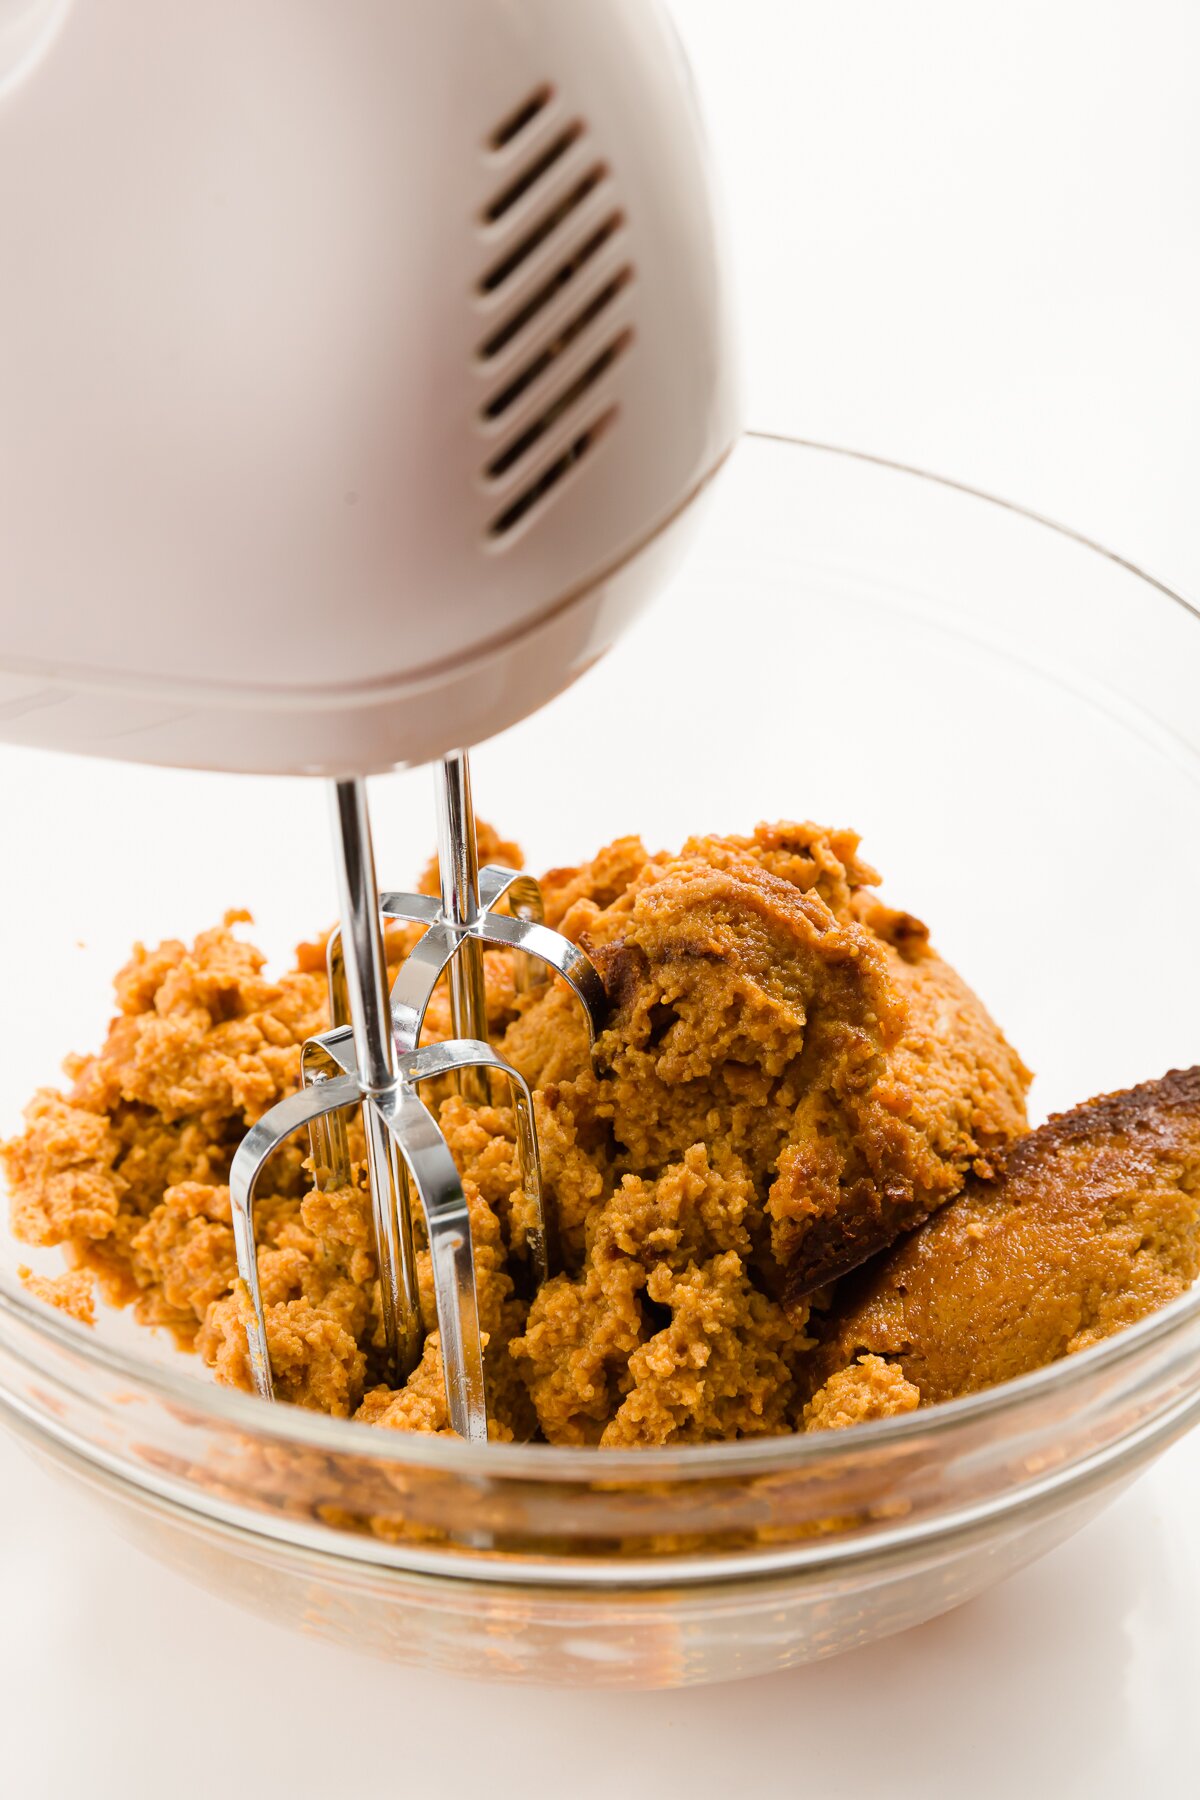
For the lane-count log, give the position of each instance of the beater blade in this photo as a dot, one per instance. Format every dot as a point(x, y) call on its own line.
point(372, 1058)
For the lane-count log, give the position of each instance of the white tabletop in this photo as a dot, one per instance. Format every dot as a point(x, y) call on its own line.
point(968, 238)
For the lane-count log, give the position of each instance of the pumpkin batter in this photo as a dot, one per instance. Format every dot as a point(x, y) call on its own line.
point(790, 1079)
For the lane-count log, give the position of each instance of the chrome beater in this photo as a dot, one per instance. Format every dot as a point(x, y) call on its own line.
point(372, 1059)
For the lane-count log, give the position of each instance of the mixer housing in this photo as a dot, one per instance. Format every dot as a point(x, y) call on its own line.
point(360, 365)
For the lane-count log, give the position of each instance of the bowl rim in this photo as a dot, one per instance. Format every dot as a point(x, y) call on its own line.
point(784, 1452)
point(881, 1543)
point(792, 1452)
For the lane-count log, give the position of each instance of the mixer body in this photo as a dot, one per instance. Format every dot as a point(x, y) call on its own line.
point(360, 365)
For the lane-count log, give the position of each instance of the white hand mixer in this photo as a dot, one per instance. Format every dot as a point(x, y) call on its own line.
point(359, 366)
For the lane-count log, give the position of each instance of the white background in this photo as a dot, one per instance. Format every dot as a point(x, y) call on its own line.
point(968, 237)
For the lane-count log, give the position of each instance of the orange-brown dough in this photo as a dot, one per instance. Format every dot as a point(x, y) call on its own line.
point(73, 1292)
point(789, 1078)
point(867, 1389)
point(1092, 1221)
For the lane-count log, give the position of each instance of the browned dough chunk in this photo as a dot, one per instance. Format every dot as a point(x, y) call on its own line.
point(1091, 1222)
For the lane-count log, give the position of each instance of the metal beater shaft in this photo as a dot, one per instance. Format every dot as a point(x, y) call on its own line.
point(375, 1055)
point(458, 869)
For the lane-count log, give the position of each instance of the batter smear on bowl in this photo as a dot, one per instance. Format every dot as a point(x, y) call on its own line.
point(791, 1082)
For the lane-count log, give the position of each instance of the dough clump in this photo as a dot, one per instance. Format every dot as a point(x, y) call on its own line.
point(790, 1080)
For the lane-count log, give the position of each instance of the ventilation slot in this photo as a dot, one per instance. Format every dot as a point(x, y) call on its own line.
point(574, 328)
point(541, 224)
point(513, 452)
point(516, 190)
point(511, 262)
point(551, 476)
point(516, 122)
point(545, 294)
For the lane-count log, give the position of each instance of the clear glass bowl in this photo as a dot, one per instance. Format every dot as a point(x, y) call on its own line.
point(1007, 714)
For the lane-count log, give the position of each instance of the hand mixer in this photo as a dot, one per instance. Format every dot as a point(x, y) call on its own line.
point(359, 367)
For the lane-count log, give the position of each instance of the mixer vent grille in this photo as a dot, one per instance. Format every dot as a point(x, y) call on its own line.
point(556, 238)
point(550, 476)
point(529, 177)
point(545, 228)
point(521, 116)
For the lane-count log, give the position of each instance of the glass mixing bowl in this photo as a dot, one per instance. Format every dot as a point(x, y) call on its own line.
point(1006, 713)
